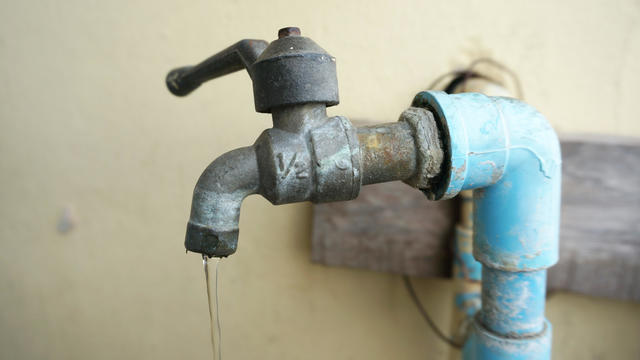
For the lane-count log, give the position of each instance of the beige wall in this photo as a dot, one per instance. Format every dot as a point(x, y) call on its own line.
point(86, 123)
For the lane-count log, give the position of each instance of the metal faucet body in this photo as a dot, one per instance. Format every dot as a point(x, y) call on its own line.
point(441, 145)
point(308, 156)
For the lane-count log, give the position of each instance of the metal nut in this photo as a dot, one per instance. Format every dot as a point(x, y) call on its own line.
point(428, 144)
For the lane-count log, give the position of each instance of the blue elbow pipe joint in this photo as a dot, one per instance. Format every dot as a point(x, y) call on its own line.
point(509, 154)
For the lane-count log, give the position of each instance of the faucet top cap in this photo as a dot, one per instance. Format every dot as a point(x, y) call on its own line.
point(293, 70)
point(289, 31)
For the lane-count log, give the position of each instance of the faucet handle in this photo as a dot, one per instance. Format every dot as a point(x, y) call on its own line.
point(241, 55)
point(292, 70)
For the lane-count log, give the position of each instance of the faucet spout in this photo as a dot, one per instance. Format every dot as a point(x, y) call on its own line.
point(215, 211)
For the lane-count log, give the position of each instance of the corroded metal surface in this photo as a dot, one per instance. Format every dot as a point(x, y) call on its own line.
point(291, 70)
point(294, 70)
point(306, 156)
point(388, 152)
point(428, 146)
point(213, 224)
point(241, 55)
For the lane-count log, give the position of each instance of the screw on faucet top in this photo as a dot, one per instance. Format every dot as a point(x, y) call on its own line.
point(288, 31)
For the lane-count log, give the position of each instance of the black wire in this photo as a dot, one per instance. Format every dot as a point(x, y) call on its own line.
point(460, 77)
point(500, 66)
point(425, 315)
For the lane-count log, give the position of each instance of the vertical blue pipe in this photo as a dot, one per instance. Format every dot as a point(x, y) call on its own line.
point(467, 270)
point(508, 152)
point(514, 301)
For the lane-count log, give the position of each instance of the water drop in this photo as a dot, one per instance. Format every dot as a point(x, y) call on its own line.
point(214, 308)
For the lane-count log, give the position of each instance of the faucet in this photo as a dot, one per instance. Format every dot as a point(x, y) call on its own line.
point(306, 155)
point(442, 144)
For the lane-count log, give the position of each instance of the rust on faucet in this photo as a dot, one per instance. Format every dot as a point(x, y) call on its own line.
point(306, 155)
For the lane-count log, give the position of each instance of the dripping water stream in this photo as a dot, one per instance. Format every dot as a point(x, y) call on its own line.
point(214, 309)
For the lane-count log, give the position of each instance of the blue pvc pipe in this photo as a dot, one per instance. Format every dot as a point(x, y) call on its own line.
point(484, 344)
point(467, 269)
point(507, 151)
point(466, 266)
point(514, 301)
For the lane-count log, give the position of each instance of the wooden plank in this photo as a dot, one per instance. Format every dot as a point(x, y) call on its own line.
point(393, 228)
point(390, 227)
point(600, 232)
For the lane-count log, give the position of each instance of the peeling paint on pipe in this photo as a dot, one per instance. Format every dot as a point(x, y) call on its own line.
point(514, 304)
